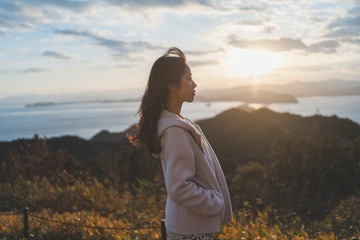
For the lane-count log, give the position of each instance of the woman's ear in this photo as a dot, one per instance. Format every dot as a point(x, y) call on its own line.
point(172, 87)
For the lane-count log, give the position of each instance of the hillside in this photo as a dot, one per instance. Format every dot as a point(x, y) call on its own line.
point(240, 137)
point(302, 171)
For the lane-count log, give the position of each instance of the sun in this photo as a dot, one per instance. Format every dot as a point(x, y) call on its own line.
point(245, 63)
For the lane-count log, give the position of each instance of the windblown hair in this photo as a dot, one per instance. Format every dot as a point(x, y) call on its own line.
point(167, 69)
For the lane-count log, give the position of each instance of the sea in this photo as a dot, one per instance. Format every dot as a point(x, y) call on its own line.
point(87, 119)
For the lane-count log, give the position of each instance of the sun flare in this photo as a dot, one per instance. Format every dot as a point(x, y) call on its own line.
point(244, 63)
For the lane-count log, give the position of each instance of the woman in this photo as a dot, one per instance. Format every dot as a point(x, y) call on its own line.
point(198, 200)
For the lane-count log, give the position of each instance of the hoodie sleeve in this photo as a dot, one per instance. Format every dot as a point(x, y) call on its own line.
point(179, 170)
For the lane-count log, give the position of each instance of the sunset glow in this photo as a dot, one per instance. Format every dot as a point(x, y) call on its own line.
point(245, 63)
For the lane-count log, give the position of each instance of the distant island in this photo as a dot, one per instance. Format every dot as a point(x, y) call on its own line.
point(42, 104)
point(246, 95)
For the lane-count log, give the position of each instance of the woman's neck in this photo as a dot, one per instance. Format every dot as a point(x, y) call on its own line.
point(173, 106)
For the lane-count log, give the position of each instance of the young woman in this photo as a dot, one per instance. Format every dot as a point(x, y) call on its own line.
point(198, 200)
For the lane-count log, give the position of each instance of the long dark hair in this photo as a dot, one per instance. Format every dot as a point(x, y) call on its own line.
point(167, 69)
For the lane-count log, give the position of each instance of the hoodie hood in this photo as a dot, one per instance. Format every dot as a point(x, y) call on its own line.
point(168, 119)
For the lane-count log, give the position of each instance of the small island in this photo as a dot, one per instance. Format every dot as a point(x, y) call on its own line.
point(247, 96)
point(43, 104)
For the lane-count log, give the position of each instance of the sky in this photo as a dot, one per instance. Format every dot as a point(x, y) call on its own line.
point(71, 46)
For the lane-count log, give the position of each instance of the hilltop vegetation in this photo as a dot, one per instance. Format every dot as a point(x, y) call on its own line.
point(289, 176)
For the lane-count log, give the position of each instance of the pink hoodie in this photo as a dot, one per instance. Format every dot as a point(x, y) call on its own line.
point(198, 198)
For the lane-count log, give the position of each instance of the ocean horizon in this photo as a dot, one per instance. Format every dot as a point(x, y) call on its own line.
point(87, 119)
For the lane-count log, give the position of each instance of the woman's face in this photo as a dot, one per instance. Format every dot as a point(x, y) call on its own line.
point(186, 90)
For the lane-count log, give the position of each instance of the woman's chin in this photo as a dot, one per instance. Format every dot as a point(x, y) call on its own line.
point(192, 98)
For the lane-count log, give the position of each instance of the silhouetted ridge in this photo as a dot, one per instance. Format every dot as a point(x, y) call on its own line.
point(105, 135)
point(240, 137)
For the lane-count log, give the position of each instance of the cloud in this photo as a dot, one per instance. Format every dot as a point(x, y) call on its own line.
point(71, 5)
point(285, 44)
point(122, 49)
point(250, 23)
point(203, 63)
point(171, 4)
point(128, 57)
point(126, 66)
point(316, 20)
point(268, 29)
point(148, 4)
point(28, 14)
point(77, 32)
point(59, 55)
point(346, 27)
point(324, 46)
point(352, 40)
point(36, 70)
point(187, 5)
point(343, 33)
point(24, 14)
point(203, 52)
point(252, 9)
point(281, 45)
point(9, 6)
point(352, 20)
point(256, 23)
point(2, 34)
point(15, 16)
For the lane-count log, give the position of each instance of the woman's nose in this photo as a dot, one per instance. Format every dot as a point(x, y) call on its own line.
point(194, 84)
